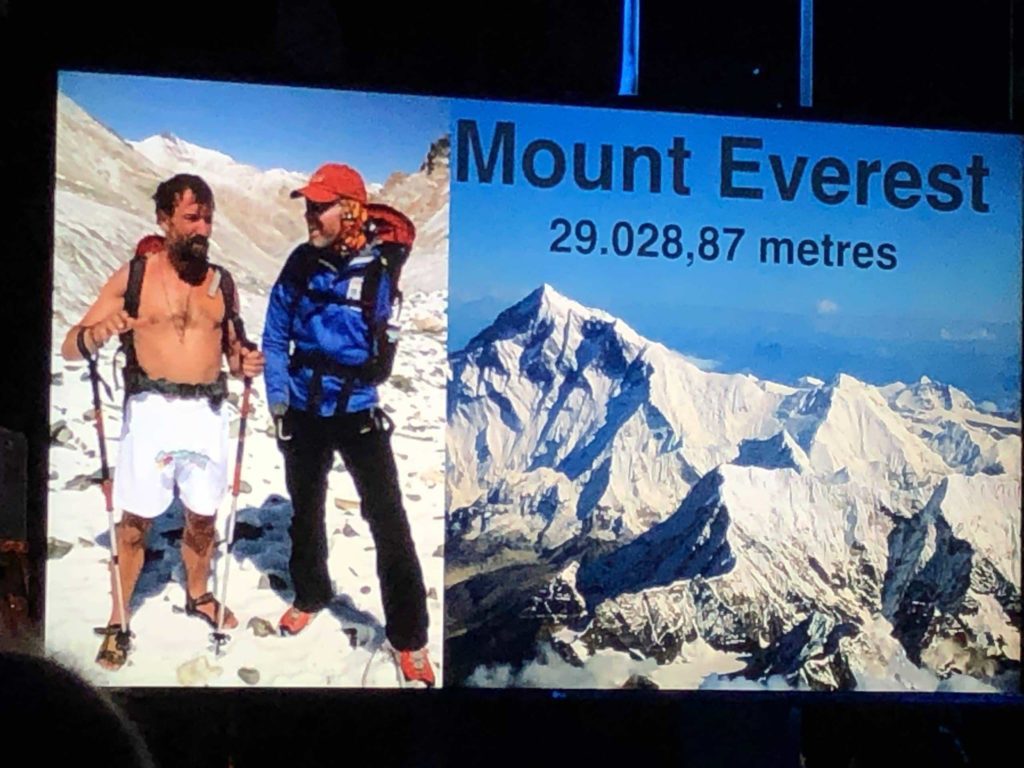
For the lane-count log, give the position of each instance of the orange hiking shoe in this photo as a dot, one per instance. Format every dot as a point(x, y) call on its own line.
point(415, 666)
point(294, 621)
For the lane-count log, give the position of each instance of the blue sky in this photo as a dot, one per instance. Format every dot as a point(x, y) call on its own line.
point(950, 307)
point(268, 126)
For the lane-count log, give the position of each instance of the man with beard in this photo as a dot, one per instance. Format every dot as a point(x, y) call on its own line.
point(327, 346)
point(182, 319)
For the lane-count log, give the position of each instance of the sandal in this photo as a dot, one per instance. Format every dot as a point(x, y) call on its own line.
point(192, 609)
point(115, 646)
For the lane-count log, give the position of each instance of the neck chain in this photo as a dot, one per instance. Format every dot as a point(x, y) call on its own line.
point(179, 320)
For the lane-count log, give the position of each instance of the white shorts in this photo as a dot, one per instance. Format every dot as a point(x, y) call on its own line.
point(168, 441)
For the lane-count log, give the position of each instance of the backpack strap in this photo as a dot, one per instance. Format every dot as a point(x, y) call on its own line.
point(222, 279)
point(309, 263)
point(383, 331)
point(136, 271)
point(368, 295)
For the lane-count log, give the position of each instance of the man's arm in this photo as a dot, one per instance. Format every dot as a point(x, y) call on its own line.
point(105, 318)
point(277, 331)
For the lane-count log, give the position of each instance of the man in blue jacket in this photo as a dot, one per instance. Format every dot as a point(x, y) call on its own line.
point(328, 344)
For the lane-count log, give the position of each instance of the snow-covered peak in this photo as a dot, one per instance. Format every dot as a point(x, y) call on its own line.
point(930, 395)
point(172, 154)
point(546, 303)
point(546, 314)
point(967, 437)
point(548, 299)
point(848, 383)
point(166, 149)
point(849, 424)
point(553, 384)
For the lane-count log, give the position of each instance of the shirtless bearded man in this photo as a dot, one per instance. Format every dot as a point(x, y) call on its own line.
point(175, 431)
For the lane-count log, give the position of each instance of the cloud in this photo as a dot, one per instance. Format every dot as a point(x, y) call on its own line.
point(703, 363)
point(549, 670)
point(900, 674)
point(610, 670)
point(773, 683)
point(827, 307)
point(965, 684)
point(980, 334)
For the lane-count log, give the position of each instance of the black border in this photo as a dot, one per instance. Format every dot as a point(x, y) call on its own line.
point(30, 62)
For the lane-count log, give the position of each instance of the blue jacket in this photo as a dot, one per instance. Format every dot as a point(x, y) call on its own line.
point(315, 307)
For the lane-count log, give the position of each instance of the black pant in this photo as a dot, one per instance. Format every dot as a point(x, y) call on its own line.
point(364, 441)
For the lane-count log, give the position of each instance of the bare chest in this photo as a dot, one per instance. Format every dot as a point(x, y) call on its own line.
point(168, 304)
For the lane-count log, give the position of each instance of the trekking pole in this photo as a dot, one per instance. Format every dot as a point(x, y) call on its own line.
point(220, 638)
point(105, 483)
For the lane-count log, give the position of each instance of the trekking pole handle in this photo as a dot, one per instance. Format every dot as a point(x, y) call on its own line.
point(92, 358)
point(80, 341)
point(277, 413)
point(95, 381)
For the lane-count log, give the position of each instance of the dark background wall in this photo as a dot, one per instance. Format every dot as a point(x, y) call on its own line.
point(920, 64)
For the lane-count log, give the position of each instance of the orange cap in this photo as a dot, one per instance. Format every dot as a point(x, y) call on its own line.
point(333, 181)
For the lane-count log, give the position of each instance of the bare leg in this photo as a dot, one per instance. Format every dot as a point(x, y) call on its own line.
point(131, 554)
point(197, 546)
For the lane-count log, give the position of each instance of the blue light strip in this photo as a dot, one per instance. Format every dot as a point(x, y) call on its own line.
point(629, 82)
point(806, 52)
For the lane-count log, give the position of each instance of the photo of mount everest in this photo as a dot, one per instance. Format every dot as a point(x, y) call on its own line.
point(619, 516)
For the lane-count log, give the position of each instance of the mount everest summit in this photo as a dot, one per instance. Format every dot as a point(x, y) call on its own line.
point(607, 495)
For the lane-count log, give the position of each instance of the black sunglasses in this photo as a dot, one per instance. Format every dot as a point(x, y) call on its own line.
point(316, 209)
